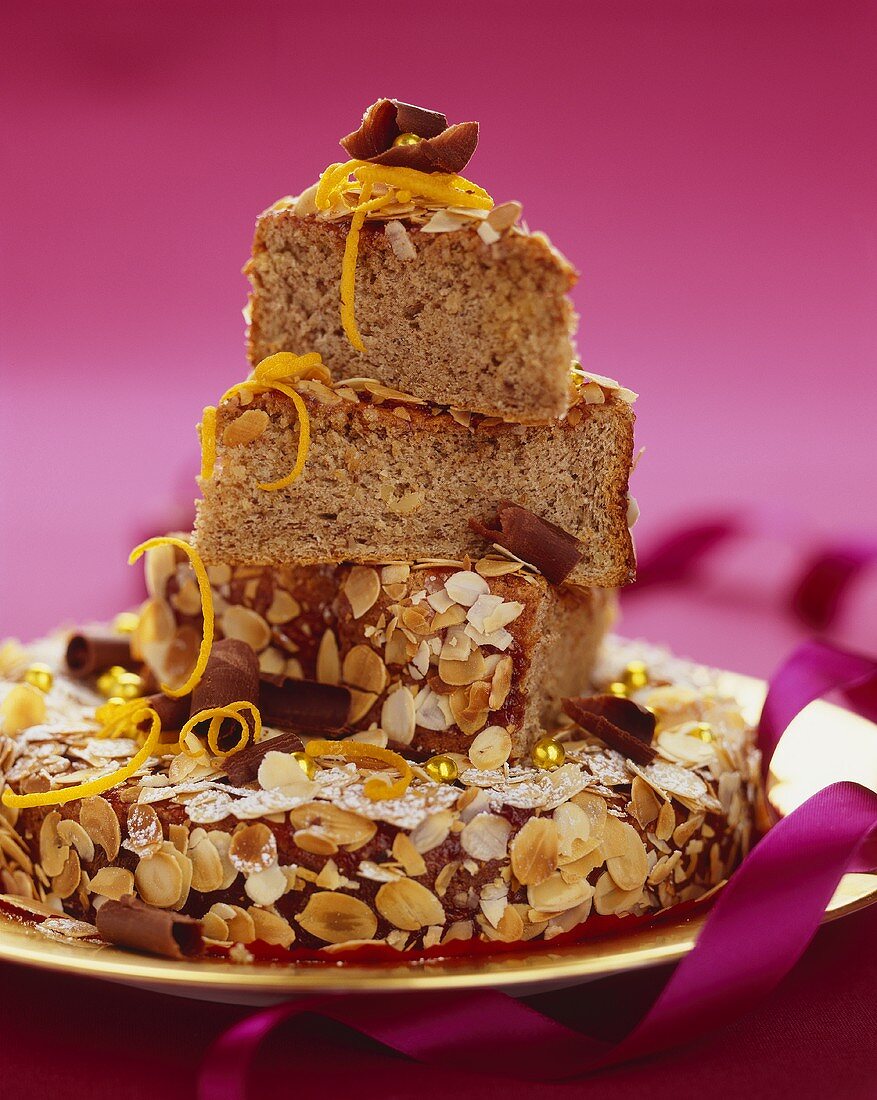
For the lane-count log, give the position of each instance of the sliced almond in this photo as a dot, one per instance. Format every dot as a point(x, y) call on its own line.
point(160, 565)
point(465, 587)
point(432, 831)
point(398, 718)
point(646, 806)
point(245, 428)
point(113, 883)
point(328, 660)
point(246, 625)
point(99, 820)
point(455, 615)
point(554, 895)
point(491, 748)
point(409, 905)
point(284, 607)
point(362, 588)
point(221, 841)
point(347, 829)
point(207, 870)
point(630, 866)
point(469, 707)
point(534, 851)
point(145, 836)
point(405, 853)
point(361, 702)
point(610, 899)
point(272, 662)
point(271, 927)
point(53, 850)
point(72, 833)
point(266, 887)
point(337, 918)
point(574, 832)
point(241, 926)
point(253, 848)
point(595, 807)
point(159, 880)
point(364, 669)
point(486, 837)
point(501, 683)
point(65, 883)
point(459, 673)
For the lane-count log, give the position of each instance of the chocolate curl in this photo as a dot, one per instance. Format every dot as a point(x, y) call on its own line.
point(92, 651)
point(173, 713)
point(243, 767)
point(619, 723)
point(305, 705)
point(553, 551)
point(443, 148)
point(131, 923)
point(231, 675)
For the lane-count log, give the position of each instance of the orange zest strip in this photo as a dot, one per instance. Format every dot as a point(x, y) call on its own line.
point(276, 372)
point(375, 789)
point(216, 716)
point(102, 783)
point(206, 607)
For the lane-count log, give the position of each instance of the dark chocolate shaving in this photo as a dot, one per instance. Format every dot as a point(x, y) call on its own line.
point(553, 551)
point(92, 651)
point(231, 675)
point(243, 767)
point(620, 723)
point(131, 923)
point(173, 713)
point(305, 705)
point(442, 148)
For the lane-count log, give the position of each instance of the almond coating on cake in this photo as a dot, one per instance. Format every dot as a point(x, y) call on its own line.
point(502, 855)
point(482, 326)
point(385, 630)
point(400, 481)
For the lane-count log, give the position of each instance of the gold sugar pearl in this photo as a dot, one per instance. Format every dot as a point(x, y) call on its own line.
point(119, 682)
point(39, 676)
point(408, 139)
point(635, 676)
point(307, 764)
point(617, 688)
point(702, 731)
point(23, 707)
point(126, 622)
point(548, 754)
point(441, 769)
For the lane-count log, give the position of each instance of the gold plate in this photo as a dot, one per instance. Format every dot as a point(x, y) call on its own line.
point(824, 744)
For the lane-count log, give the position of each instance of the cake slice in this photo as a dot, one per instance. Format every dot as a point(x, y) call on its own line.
point(478, 320)
point(433, 655)
point(389, 478)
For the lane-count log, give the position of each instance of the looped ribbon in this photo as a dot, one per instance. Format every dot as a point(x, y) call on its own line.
point(832, 833)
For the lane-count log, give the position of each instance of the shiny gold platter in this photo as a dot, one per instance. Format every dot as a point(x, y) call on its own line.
point(824, 744)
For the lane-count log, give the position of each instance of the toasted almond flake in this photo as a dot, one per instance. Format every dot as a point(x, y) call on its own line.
point(246, 625)
point(364, 669)
point(455, 615)
point(465, 587)
point(491, 748)
point(595, 807)
point(207, 869)
point(400, 241)
point(610, 899)
point(362, 589)
point(406, 854)
point(284, 607)
point(145, 836)
point(72, 833)
point(361, 702)
point(53, 850)
point(534, 851)
point(646, 806)
point(271, 927)
point(337, 918)
point(501, 683)
point(554, 895)
point(432, 831)
point(409, 905)
point(398, 716)
point(328, 660)
point(265, 887)
point(253, 848)
point(486, 837)
point(160, 564)
point(241, 927)
point(272, 662)
point(159, 880)
point(245, 428)
point(347, 829)
point(113, 883)
point(99, 820)
point(630, 866)
point(574, 832)
point(469, 707)
point(459, 673)
point(666, 822)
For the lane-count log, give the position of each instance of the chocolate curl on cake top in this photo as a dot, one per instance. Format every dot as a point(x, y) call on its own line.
point(547, 547)
point(131, 923)
point(231, 676)
point(243, 767)
point(401, 135)
point(618, 722)
point(304, 705)
point(92, 651)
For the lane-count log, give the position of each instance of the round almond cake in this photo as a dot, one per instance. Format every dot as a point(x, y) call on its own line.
point(292, 849)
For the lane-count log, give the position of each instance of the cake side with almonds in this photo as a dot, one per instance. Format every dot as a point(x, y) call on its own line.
point(389, 478)
point(458, 317)
point(437, 658)
point(292, 858)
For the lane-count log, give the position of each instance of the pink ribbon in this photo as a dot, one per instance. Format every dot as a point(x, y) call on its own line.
point(781, 889)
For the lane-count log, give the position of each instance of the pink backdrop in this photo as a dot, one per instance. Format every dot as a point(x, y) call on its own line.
point(707, 166)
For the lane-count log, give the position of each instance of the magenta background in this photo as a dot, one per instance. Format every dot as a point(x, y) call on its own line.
point(708, 167)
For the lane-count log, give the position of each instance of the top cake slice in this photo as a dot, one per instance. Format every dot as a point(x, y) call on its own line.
point(395, 267)
point(468, 317)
